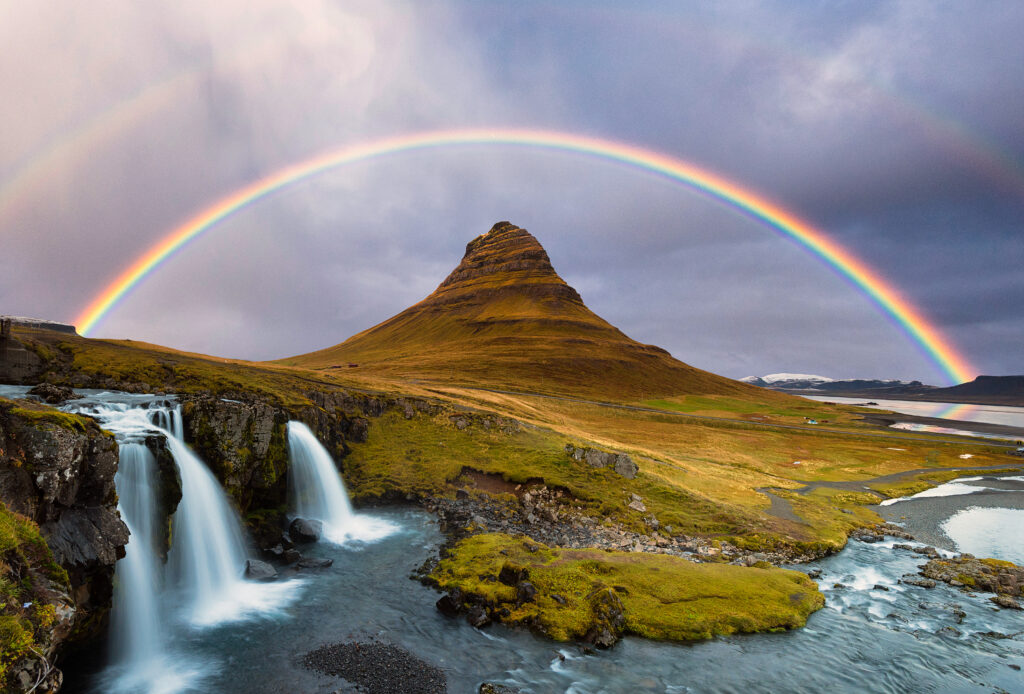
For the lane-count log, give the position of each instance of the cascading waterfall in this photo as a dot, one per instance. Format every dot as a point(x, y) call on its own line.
point(206, 559)
point(137, 628)
point(208, 554)
point(318, 493)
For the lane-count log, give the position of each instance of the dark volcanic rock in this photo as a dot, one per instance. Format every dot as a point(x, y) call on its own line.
point(58, 470)
point(511, 575)
point(478, 617)
point(970, 573)
point(492, 688)
point(302, 530)
point(257, 570)
point(378, 668)
point(525, 592)
point(314, 563)
point(448, 606)
point(51, 394)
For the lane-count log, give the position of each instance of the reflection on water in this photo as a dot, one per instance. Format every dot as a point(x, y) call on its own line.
point(988, 532)
point(992, 414)
point(967, 485)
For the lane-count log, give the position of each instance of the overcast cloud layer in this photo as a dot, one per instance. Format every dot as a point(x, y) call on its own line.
point(895, 126)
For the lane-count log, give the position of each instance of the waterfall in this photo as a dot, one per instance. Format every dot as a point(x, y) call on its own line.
point(205, 562)
point(317, 492)
point(137, 629)
point(208, 554)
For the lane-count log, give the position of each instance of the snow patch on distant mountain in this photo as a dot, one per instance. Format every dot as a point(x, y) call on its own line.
point(782, 379)
point(775, 378)
point(788, 381)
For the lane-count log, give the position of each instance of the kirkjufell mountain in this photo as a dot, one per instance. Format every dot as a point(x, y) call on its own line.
point(505, 318)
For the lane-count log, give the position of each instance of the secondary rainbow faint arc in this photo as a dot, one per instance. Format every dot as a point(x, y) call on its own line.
point(910, 319)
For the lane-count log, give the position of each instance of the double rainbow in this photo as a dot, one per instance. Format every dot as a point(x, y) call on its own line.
point(935, 346)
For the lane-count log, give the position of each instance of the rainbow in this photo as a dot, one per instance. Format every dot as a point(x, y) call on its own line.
point(934, 345)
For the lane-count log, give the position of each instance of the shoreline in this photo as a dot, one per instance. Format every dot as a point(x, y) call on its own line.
point(923, 517)
point(886, 420)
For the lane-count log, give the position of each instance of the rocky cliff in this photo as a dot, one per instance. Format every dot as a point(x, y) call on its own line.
point(245, 442)
point(64, 535)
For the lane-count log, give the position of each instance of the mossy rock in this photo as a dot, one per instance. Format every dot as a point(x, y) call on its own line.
point(661, 597)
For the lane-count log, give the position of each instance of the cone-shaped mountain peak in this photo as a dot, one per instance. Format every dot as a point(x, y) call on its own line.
point(504, 318)
point(506, 256)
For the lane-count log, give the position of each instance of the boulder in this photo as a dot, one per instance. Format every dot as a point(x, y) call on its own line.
point(477, 617)
point(625, 466)
point(912, 580)
point(525, 592)
point(1006, 601)
point(492, 688)
point(512, 575)
point(256, 570)
point(447, 606)
point(53, 395)
point(314, 563)
point(302, 530)
point(609, 620)
point(619, 462)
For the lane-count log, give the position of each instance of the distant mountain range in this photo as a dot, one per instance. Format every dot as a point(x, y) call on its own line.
point(995, 390)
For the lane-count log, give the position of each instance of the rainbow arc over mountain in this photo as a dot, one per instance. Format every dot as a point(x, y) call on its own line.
point(911, 320)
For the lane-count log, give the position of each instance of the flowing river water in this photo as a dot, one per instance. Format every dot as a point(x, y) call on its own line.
point(867, 638)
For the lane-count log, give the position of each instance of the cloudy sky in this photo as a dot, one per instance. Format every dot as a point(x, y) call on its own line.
point(895, 127)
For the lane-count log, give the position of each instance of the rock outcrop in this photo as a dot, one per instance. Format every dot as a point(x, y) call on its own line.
point(57, 473)
point(243, 443)
point(620, 462)
point(1003, 578)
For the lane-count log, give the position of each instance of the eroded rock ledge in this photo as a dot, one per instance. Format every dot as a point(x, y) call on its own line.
point(966, 571)
point(56, 476)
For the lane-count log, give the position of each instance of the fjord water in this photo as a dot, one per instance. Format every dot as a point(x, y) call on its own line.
point(1006, 415)
point(317, 491)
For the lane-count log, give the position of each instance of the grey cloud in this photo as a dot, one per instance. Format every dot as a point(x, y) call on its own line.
point(869, 119)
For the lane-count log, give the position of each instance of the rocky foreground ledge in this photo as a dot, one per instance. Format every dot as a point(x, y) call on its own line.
point(60, 536)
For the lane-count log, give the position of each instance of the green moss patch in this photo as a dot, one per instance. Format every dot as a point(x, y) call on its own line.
point(659, 596)
point(25, 613)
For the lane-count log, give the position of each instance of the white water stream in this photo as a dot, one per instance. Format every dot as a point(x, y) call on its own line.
point(317, 492)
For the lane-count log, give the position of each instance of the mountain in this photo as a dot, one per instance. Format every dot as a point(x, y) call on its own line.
point(822, 384)
point(1007, 390)
point(505, 319)
point(786, 380)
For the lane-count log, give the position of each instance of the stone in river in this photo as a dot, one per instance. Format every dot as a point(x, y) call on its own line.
point(257, 570)
point(302, 530)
